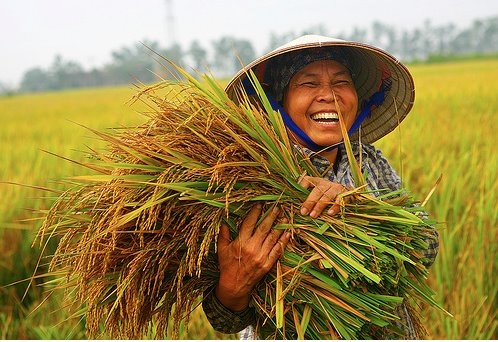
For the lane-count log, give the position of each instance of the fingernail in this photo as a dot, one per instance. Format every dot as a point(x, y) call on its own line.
point(314, 214)
point(304, 211)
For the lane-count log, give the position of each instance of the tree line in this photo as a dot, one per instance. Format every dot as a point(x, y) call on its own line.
point(224, 56)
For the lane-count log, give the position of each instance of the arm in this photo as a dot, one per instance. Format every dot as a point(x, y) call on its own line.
point(243, 262)
point(380, 175)
point(384, 176)
point(223, 319)
point(246, 260)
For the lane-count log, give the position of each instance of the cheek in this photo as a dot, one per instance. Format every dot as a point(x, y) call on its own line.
point(352, 100)
point(294, 103)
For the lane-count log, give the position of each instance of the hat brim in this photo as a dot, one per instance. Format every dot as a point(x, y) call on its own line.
point(368, 64)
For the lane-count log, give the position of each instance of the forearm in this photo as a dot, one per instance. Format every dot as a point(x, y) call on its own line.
point(433, 247)
point(223, 319)
point(432, 241)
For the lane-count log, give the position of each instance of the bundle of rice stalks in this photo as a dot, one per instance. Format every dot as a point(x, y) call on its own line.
point(138, 238)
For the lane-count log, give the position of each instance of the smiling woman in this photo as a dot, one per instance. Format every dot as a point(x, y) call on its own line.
point(313, 81)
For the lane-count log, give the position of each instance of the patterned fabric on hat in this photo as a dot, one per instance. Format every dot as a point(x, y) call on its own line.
point(281, 69)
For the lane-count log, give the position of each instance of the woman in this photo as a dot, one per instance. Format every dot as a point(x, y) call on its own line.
point(304, 80)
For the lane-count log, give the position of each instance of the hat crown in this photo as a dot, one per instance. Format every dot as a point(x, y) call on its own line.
point(313, 39)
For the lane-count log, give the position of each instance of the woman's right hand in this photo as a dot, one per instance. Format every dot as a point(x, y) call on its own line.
point(246, 260)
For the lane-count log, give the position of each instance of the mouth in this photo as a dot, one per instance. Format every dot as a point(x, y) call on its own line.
point(325, 118)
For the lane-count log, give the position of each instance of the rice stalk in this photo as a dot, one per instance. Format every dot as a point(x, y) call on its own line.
point(138, 237)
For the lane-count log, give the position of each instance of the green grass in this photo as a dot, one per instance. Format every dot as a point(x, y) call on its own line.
point(451, 131)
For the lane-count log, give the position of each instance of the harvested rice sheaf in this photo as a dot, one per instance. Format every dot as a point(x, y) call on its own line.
point(138, 237)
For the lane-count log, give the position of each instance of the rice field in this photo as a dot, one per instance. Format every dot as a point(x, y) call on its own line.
point(451, 132)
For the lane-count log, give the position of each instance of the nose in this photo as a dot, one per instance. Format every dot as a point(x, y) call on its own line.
point(325, 93)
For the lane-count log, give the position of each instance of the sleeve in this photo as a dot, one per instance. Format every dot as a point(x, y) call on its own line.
point(223, 319)
point(382, 174)
point(432, 241)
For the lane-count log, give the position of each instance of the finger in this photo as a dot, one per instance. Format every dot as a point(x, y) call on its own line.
point(271, 239)
point(274, 236)
point(279, 247)
point(316, 195)
point(331, 196)
point(305, 181)
point(224, 237)
point(335, 208)
point(320, 206)
point(267, 222)
point(338, 203)
point(249, 223)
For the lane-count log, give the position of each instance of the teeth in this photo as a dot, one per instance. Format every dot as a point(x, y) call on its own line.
point(325, 116)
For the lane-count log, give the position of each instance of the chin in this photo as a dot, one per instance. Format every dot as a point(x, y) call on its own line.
point(328, 142)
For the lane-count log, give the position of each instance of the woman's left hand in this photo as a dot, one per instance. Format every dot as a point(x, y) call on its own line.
point(323, 194)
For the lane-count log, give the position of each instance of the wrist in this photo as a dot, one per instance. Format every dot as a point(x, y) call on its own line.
point(233, 301)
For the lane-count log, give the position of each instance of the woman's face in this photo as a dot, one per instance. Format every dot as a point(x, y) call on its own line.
point(309, 100)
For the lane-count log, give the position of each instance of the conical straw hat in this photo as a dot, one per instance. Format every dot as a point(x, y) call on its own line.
point(369, 65)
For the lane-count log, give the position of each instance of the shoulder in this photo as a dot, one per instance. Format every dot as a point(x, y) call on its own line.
point(370, 155)
point(370, 151)
point(380, 173)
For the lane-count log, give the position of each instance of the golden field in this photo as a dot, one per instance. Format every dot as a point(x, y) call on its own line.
point(451, 131)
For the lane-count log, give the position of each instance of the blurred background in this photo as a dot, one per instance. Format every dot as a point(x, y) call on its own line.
point(66, 63)
point(55, 44)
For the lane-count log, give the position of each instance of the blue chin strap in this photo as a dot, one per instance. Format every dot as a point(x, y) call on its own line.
point(374, 101)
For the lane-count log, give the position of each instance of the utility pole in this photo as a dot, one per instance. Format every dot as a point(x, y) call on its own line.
point(160, 72)
point(170, 23)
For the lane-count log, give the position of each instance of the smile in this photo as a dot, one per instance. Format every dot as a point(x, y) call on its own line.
point(325, 117)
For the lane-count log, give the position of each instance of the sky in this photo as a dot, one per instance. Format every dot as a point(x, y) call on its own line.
point(33, 32)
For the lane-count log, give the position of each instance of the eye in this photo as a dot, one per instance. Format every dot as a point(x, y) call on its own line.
point(310, 84)
point(342, 82)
